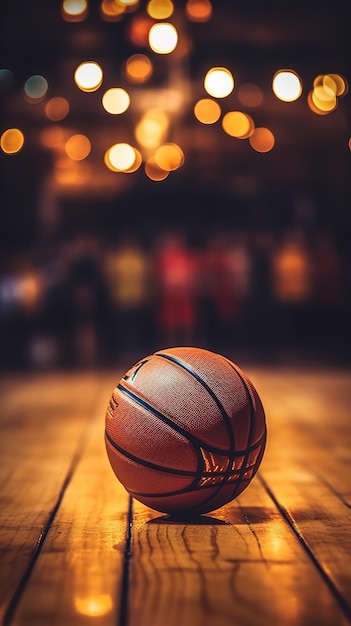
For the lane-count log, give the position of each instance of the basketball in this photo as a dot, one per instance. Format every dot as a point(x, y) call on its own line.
point(185, 431)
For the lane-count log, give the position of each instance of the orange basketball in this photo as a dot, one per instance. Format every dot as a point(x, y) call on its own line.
point(185, 431)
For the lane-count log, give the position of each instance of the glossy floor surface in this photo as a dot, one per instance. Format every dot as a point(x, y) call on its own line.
point(76, 550)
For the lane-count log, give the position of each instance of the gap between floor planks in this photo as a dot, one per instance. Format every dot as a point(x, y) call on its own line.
point(211, 573)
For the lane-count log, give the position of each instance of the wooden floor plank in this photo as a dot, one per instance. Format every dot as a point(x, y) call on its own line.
point(243, 567)
point(305, 468)
point(279, 554)
point(43, 424)
point(79, 572)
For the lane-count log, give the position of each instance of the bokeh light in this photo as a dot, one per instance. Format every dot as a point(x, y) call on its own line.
point(12, 141)
point(207, 111)
point(169, 157)
point(116, 100)
point(287, 85)
point(56, 109)
point(332, 83)
point(78, 147)
point(163, 38)
point(128, 3)
point(198, 10)
point(74, 10)
point(262, 140)
point(121, 157)
point(138, 68)
point(219, 82)
point(238, 124)
point(110, 11)
point(93, 606)
point(113, 158)
point(139, 29)
point(88, 76)
point(35, 87)
point(154, 171)
point(160, 9)
point(324, 98)
point(152, 128)
point(313, 107)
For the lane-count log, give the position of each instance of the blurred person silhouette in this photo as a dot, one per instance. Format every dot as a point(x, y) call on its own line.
point(126, 272)
point(20, 298)
point(87, 300)
point(259, 316)
point(292, 285)
point(49, 344)
point(175, 271)
point(331, 319)
point(226, 286)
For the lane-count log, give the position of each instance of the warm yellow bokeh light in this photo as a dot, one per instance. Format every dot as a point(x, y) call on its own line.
point(93, 606)
point(324, 98)
point(128, 3)
point(198, 10)
point(121, 156)
point(207, 111)
point(238, 124)
point(110, 11)
point(313, 107)
point(57, 109)
point(12, 141)
point(287, 85)
point(349, 144)
point(78, 147)
point(219, 82)
point(74, 10)
point(111, 164)
point(163, 38)
point(88, 76)
point(262, 140)
point(250, 95)
point(154, 172)
point(116, 100)
point(137, 162)
point(334, 83)
point(160, 9)
point(138, 68)
point(36, 87)
point(341, 84)
point(152, 129)
point(169, 157)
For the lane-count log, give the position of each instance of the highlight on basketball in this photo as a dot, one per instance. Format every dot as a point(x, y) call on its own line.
point(185, 431)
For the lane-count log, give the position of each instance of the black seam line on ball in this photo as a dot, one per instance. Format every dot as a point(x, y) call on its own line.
point(137, 459)
point(226, 418)
point(184, 490)
point(195, 442)
point(252, 422)
point(187, 435)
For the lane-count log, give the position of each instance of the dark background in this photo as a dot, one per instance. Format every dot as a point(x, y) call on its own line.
point(302, 185)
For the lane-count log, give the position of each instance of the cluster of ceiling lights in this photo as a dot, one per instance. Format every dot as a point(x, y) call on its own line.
point(154, 151)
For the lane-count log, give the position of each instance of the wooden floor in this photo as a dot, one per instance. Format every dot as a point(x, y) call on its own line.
point(76, 551)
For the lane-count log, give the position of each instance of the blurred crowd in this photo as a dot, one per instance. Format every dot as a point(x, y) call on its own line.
point(89, 302)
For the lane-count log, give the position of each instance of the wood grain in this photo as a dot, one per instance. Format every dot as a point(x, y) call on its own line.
point(279, 554)
point(43, 428)
point(78, 574)
point(305, 469)
point(242, 565)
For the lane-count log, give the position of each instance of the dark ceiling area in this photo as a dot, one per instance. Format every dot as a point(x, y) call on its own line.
point(306, 176)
